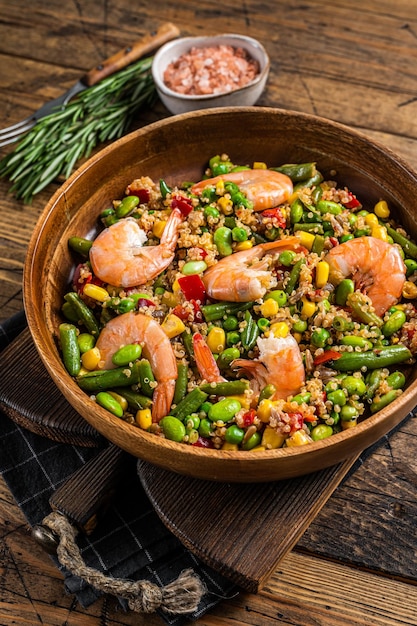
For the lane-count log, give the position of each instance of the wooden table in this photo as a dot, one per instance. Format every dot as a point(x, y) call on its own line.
point(354, 62)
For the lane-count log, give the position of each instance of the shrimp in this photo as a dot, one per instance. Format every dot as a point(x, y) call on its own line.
point(156, 347)
point(280, 363)
point(375, 266)
point(245, 275)
point(205, 361)
point(118, 256)
point(266, 189)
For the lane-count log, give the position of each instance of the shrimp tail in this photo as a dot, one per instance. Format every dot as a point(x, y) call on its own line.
point(255, 370)
point(162, 399)
point(205, 361)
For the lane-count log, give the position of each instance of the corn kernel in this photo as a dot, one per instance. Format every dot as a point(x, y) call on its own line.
point(322, 274)
point(264, 410)
point(259, 165)
point(371, 219)
point(299, 438)
point(382, 210)
point(120, 399)
point(306, 239)
point(176, 286)
point(91, 359)
point(158, 228)
point(279, 329)
point(243, 245)
point(97, 293)
point(269, 308)
point(173, 326)
point(298, 337)
point(409, 290)
point(258, 449)
point(220, 187)
point(144, 418)
point(233, 447)
point(170, 299)
point(349, 424)
point(308, 308)
point(243, 399)
point(216, 340)
point(379, 232)
point(271, 439)
point(226, 205)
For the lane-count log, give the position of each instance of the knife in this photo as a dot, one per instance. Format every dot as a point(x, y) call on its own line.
point(121, 59)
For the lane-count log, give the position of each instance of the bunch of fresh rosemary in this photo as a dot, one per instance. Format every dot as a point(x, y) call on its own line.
point(100, 113)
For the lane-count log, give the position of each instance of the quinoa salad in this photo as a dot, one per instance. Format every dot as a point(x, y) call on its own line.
point(257, 308)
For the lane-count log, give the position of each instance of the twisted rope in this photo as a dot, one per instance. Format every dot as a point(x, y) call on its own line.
point(178, 597)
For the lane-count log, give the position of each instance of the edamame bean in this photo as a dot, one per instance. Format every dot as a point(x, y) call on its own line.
point(193, 267)
point(348, 413)
point(321, 431)
point(127, 354)
point(356, 342)
point(173, 428)
point(337, 397)
point(206, 427)
point(224, 410)
point(223, 240)
point(86, 342)
point(234, 434)
point(296, 211)
point(126, 206)
point(108, 402)
point(396, 380)
point(252, 442)
point(286, 258)
point(354, 385)
point(393, 323)
point(384, 400)
point(344, 288)
point(328, 206)
point(300, 398)
point(226, 357)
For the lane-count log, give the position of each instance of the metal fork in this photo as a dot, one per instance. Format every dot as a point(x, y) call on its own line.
point(145, 45)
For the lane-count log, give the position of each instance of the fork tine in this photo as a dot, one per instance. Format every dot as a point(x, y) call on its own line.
point(14, 135)
point(6, 132)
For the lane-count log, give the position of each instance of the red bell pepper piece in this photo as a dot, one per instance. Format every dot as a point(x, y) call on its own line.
point(276, 213)
point(352, 202)
point(142, 193)
point(192, 287)
point(327, 355)
point(185, 205)
point(203, 442)
point(248, 417)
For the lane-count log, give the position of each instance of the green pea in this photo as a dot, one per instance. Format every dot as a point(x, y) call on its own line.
point(223, 167)
point(271, 234)
point(346, 237)
point(173, 428)
point(223, 240)
point(239, 234)
point(348, 413)
point(320, 337)
point(108, 402)
point(239, 199)
point(362, 232)
point(193, 267)
point(337, 397)
point(230, 222)
point(211, 211)
point(394, 323)
point(356, 342)
point(252, 442)
point(234, 434)
point(224, 410)
point(343, 290)
point(126, 206)
point(300, 326)
point(226, 357)
point(230, 323)
point(232, 338)
point(286, 258)
point(206, 428)
point(106, 212)
point(205, 407)
point(231, 188)
point(86, 342)
point(127, 354)
point(411, 265)
point(396, 380)
point(354, 385)
point(321, 431)
point(278, 295)
point(263, 324)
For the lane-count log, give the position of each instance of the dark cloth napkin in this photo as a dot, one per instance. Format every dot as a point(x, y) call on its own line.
point(130, 541)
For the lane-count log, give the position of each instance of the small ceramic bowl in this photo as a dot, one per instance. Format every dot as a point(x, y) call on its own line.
point(244, 96)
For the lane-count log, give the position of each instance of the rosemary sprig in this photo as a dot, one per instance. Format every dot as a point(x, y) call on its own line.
point(54, 145)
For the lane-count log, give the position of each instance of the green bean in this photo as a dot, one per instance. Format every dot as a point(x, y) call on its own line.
point(302, 398)
point(70, 313)
point(384, 400)
point(372, 381)
point(135, 400)
point(296, 211)
point(311, 227)
point(294, 276)
point(164, 188)
point(187, 340)
point(80, 245)
point(408, 246)
point(360, 308)
point(70, 348)
point(250, 333)
point(180, 383)
point(190, 404)
point(396, 380)
point(297, 171)
point(102, 380)
point(315, 179)
point(223, 240)
point(328, 206)
point(109, 403)
point(372, 359)
point(227, 388)
point(146, 378)
point(318, 244)
point(217, 311)
point(126, 206)
point(341, 324)
point(267, 392)
point(84, 312)
point(393, 323)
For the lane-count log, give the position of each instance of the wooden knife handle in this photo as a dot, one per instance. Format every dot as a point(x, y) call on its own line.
point(145, 45)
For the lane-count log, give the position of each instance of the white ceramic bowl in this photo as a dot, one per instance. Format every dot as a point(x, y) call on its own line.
point(244, 96)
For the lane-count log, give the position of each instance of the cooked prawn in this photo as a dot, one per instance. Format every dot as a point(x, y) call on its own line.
point(205, 361)
point(266, 189)
point(118, 256)
point(375, 266)
point(156, 347)
point(245, 275)
point(280, 363)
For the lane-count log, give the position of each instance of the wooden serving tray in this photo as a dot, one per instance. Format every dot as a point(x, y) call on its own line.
point(241, 530)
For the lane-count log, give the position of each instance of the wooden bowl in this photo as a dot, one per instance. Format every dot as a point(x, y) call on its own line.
point(177, 149)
